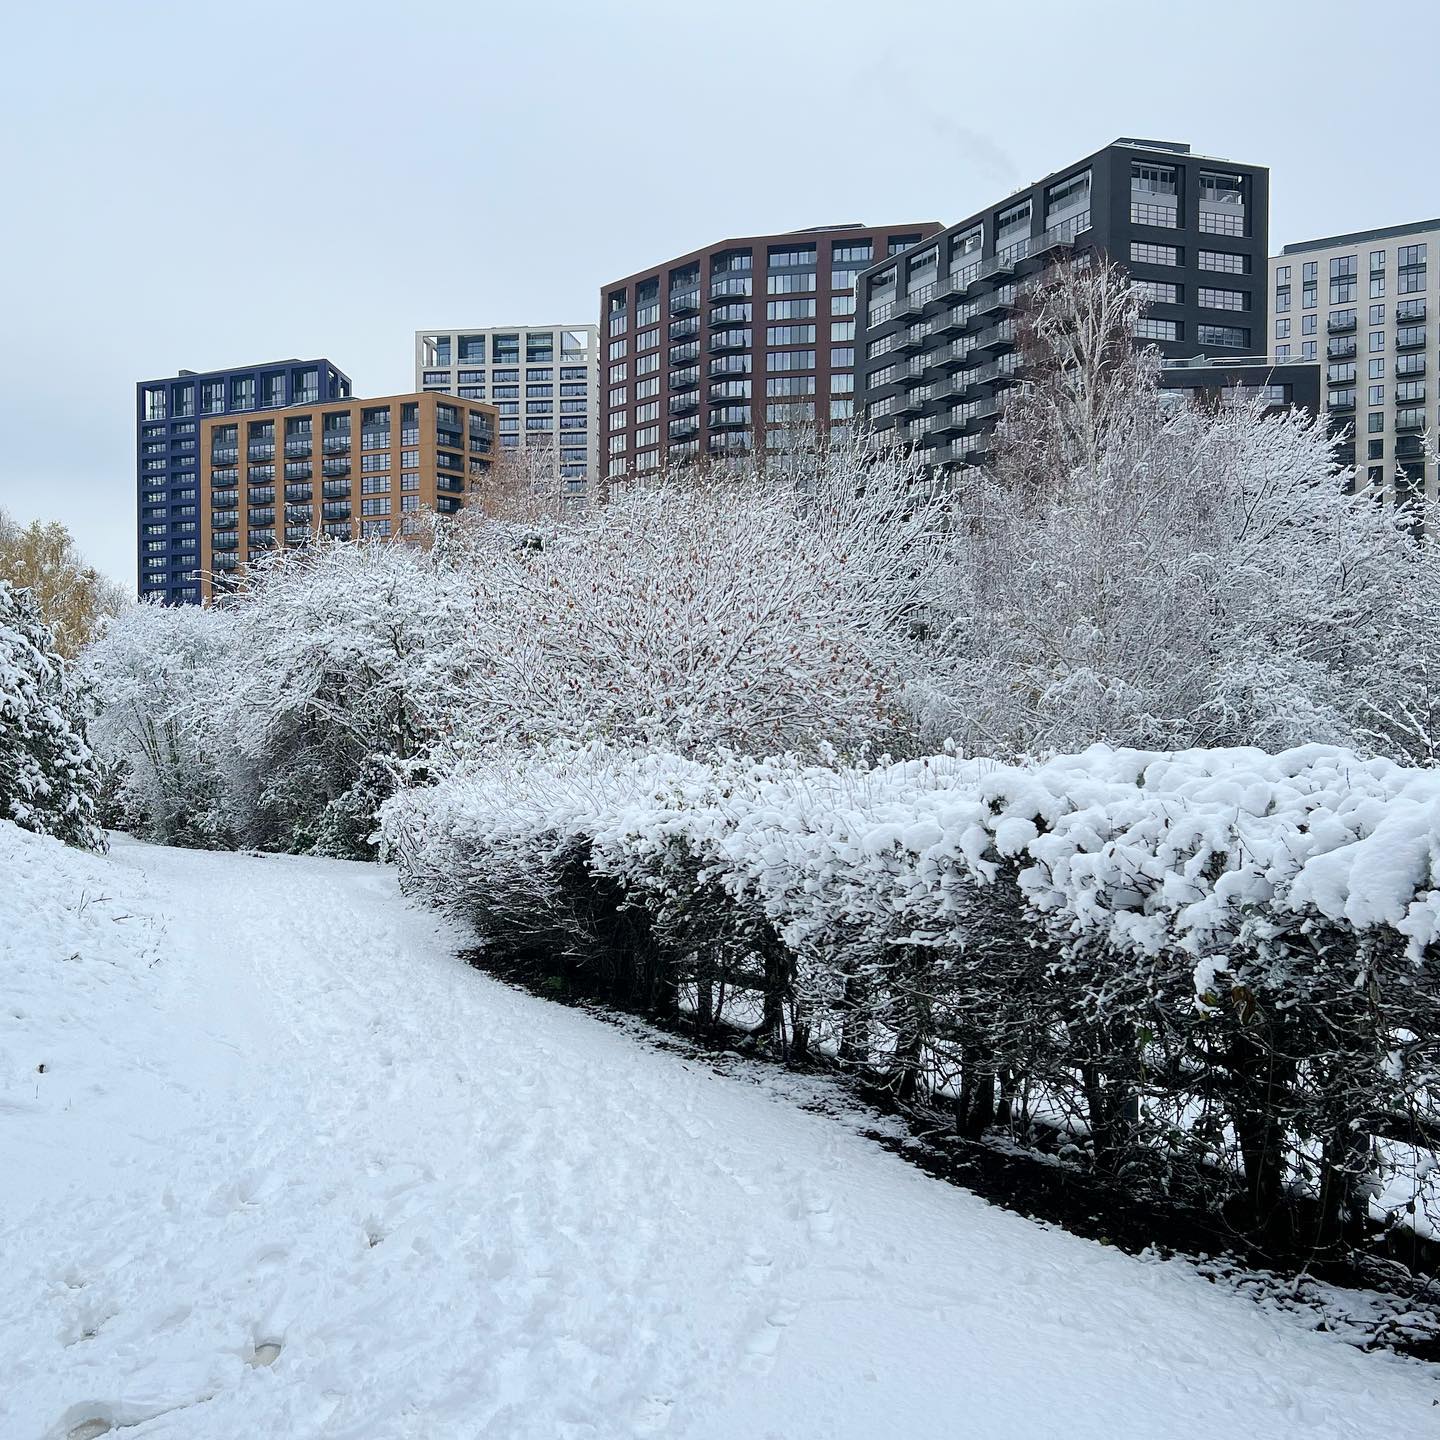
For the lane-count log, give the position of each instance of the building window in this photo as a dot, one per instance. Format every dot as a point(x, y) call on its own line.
point(790, 335)
point(1222, 203)
point(1157, 292)
point(1154, 199)
point(790, 360)
point(1143, 253)
point(1214, 299)
point(1225, 261)
point(1148, 328)
point(1282, 329)
point(788, 310)
point(1228, 335)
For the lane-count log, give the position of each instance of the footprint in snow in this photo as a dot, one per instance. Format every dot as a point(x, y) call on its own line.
point(266, 1352)
point(763, 1346)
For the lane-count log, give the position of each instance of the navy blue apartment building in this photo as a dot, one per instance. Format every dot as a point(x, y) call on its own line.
point(167, 421)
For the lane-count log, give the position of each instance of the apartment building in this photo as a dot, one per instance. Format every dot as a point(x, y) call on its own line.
point(543, 381)
point(711, 352)
point(344, 470)
point(168, 416)
point(1361, 304)
point(937, 333)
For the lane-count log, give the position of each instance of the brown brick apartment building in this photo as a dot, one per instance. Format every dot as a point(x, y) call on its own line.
point(701, 355)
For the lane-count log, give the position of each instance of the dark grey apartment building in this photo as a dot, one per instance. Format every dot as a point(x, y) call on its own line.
point(705, 353)
point(936, 329)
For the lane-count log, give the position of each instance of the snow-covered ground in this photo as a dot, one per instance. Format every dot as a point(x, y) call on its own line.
point(290, 1169)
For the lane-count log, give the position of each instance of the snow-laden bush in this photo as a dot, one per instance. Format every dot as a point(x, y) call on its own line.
point(1203, 962)
point(49, 781)
point(163, 677)
point(1146, 572)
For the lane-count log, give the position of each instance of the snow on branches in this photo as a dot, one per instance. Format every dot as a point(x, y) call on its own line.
point(1192, 959)
point(48, 778)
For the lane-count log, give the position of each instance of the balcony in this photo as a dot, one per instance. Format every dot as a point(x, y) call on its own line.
point(1340, 325)
point(297, 449)
point(685, 379)
point(683, 404)
point(684, 429)
point(225, 455)
point(916, 300)
point(729, 416)
point(335, 467)
point(729, 340)
point(224, 561)
point(260, 452)
point(335, 512)
point(225, 542)
point(956, 354)
point(1409, 312)
point(1410, 447)
point(686, 302)
point(224, 520)
point(685, 329)
point(1410, 367)
point(1341, 404)
point(998, 337)
point(1003, 297)
point(684, 354)
point(878, 314)
point(1343, 378)
point(911, 340)
point(952, 322)
point(1340, 350)
point(1409, 422)
point(1413, 338)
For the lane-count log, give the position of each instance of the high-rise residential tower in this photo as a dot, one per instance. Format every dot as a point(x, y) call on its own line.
point(345, 469)
point(168, 416)
point(542, 381)
point(1362, 304)
point(707, 353)
point(937, 339)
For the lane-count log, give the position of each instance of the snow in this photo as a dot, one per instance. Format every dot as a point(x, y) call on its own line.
point(292, 1169)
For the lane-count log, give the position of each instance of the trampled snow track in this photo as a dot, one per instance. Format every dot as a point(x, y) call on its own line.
point(329, 1181)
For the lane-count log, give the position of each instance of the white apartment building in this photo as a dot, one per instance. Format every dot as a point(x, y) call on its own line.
point(543, 379)
point(1364, 305)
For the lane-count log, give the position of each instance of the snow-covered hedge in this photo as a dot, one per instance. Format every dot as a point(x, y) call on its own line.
point(1187, 959)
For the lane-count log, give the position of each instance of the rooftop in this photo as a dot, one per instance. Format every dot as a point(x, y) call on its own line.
point(1358, 237)
point(242, 370)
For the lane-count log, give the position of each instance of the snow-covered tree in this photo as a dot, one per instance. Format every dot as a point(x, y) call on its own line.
point(163, 678)
point(748, 611)
point(340, 652)
point(1151, 572)
point(48, 777)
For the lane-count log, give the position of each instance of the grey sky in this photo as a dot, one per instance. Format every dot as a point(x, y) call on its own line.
point(195, 185)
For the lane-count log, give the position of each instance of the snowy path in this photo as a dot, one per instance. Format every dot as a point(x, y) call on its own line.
point(460, 1212)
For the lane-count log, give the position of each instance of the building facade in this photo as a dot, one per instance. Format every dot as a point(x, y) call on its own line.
point(706, 353)
point(168, 416)
point(542, 379)
point(937, 335)
point(1361, 304)
point(351, 469)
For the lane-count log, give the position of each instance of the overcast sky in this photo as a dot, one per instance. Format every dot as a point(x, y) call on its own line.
point(196, 185)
